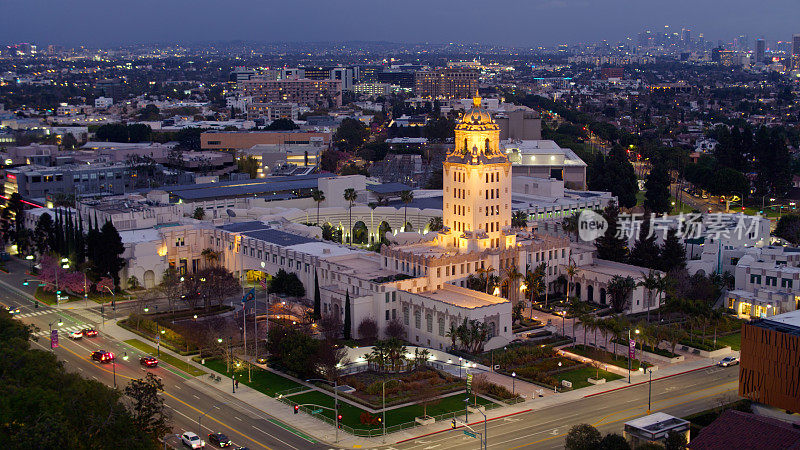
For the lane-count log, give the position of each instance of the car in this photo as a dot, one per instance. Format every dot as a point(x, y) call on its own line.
point(192, 440)
point(219, 439)
point(12, 311)
point(148, 361)
point(102, 356)
point(89, 332)
point(261, 360)
point(75, 334)
point(728, 361)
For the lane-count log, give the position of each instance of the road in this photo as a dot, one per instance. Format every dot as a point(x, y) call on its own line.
point(678, 395)
point(186, 398)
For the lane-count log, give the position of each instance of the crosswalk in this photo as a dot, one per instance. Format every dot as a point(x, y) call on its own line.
point(61, 330)
point(36, 313)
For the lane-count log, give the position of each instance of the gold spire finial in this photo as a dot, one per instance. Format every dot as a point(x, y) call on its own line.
point(476, 100)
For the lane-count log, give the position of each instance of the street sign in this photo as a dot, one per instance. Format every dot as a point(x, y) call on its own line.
point(469, 433)
point(54, 339)
point(469, 382)
point(316, 411)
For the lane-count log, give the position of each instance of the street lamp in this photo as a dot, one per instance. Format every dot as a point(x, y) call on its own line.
point(649, 386)
point(630, 353)
point(335, 384)
point(513, 383)
point(30, 258)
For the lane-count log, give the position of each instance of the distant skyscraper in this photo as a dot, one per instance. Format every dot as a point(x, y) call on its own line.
point(686, 36)
point(796, 51)
point(761, 50)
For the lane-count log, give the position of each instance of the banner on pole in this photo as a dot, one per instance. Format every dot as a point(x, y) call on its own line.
point(632, 349)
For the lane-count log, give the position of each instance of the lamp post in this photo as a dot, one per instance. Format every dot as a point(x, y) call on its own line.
point(335, 384)
point(649, 386)
point(113, 297)
point(159, 332)
point(459, 367)
point(64, 265)
point(383, 419)
point(630, 353)
point(50, 325)
point(513, 383)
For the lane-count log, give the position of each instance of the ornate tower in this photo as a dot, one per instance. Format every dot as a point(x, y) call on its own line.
point(477, 186)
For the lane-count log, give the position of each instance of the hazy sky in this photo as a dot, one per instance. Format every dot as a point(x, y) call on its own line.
point(514, 22)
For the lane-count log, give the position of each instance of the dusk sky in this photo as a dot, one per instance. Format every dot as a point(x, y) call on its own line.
point(512, 22)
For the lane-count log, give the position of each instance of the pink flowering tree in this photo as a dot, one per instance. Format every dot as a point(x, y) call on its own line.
point(104, 285)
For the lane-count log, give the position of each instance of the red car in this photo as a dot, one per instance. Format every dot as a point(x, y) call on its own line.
point(148, 361)
point(102, 356)
point(89, 332)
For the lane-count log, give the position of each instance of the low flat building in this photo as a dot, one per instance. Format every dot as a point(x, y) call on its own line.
point(242, 140)
point(740, 430)
point(545, 159)
point(654, 428)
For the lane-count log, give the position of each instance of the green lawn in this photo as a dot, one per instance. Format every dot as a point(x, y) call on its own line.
point(603, 356)
point(264, 381)
point(166, 358)
point(578, 376)
point(50, 297)
point(734, 341)
point(351, 415)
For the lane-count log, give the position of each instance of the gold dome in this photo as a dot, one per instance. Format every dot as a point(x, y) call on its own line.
point(477, 118)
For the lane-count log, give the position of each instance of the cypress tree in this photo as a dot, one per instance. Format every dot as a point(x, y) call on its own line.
point(347, 320)
point(673, 256)
point(80, 242)
point(317, 298)
point(59, 242)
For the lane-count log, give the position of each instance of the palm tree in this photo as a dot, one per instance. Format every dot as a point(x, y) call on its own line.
point(519, 219)
point(571, 270)
point(406, 197)
point(534, 285)
point(487, 272)
point(570, 225)
point(452, 333)
point(620, 289)
point(587, 322)
point(210, 256)
point(652, 282)
point(350, 195)
point(318, 197)
point(604, 327)
point(435, 224)
point(512, 277)
point(576, 309)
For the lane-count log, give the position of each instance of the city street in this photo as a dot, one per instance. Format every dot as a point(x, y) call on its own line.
point(187, 399)
point(545, 428)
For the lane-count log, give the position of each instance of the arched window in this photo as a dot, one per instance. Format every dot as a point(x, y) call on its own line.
point(488, 149)
point(492, 331)
point(441, 326)
point(405, 315)
point(429, 322)
point(417, 319)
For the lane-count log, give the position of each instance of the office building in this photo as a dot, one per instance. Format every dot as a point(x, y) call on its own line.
point(314, 93)
point(446, 83)
point(545, 159)
point(770, 361)
point(796, 51)
point(39, 182)
point(241, 140)
point(761, 51)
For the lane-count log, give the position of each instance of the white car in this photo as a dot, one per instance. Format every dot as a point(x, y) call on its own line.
point(75, 334)
point(192, 440)
point(728, 361)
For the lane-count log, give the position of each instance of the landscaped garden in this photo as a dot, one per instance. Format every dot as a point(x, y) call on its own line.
point(264, 381)
point(603, 356)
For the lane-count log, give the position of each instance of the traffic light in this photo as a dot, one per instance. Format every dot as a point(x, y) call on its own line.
point(339, 420)
point(453, 424)
point(296, 409)
point(25, 282)
point(380, 420)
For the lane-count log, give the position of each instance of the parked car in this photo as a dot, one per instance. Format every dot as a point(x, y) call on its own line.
point(148, 361)
point(89, 332)
point(75, 334)
point(192, 440)
point(219, 439)
point(261, 360)
point(728, 361)
point(102, 356)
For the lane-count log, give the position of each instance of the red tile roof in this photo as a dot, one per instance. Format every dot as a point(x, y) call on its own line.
point(743, 431)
